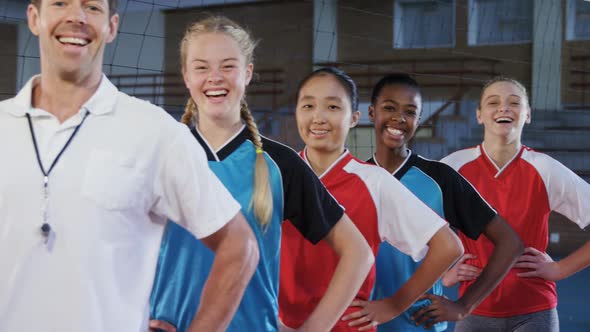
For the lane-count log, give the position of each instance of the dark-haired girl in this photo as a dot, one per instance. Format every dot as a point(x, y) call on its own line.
point(395, 109)
point(381, 208)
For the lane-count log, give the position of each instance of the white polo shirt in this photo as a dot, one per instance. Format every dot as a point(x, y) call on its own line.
point(130, 168)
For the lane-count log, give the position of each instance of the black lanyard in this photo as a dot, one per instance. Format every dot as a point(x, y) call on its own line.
point(46, 174)
point(45, 227)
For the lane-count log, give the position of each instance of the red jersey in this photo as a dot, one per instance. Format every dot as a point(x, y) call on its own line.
point(524, 192)
point(380, 207)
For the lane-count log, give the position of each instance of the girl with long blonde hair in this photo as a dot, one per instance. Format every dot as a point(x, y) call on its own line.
point(269, 180)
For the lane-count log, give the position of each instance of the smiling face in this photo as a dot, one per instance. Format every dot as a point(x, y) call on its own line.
point(324, 114)
point(216, 74)
point(72, 35)
point(395, 114)
point(503, 110)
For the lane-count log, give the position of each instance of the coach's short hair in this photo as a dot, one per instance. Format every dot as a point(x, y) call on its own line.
point(112, 5)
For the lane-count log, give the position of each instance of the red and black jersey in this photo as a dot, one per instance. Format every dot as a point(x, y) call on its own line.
point(381, 208)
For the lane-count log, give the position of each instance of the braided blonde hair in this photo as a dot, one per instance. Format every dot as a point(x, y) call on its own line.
point(262, 195)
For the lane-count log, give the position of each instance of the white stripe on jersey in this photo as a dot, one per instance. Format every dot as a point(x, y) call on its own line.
point(403, 220)
point(459, 158)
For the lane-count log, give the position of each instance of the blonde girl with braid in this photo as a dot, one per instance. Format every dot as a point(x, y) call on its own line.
point(261, 197)
point(267, 178)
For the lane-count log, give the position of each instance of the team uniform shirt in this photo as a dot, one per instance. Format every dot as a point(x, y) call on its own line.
point(380, 207)
point(451, 196)
point(298, 195)
point(524, 192)
point(129, 169)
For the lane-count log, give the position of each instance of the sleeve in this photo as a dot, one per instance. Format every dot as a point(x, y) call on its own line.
point(188, 192)
point(404, 221)
point(308, 204)
point(464, 207)
point(568, 193)
point(458, 159)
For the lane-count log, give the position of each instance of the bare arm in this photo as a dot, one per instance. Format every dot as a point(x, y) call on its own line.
point(542, 266)
point(508, 247)
point(569, 195)
point(236, 258)
point(574, 262)
point(355, 262)
point(445, 249)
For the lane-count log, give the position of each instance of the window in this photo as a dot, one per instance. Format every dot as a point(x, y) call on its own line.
point(500, 21)
point(578, 20)
point(424, 23)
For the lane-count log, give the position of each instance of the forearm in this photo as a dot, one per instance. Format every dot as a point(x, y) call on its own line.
point(445, 249)
point(355, 262)
point(574, 262)
point(236, 258)
point(508, 247)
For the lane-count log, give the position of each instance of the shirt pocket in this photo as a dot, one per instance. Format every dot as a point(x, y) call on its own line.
point(114, 182)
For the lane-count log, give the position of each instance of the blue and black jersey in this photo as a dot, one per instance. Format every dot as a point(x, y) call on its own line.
point(184, 262)
point(452, 197)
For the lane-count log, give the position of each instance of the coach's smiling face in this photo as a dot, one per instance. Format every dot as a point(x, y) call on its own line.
point(72, 36)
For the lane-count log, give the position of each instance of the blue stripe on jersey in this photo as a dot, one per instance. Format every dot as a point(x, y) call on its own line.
point(184, 262)
point(394, 268)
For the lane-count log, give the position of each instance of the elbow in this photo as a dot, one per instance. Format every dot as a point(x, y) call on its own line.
point(368, 257)
point(454, 246)
point(350, 245)
point(506, 237)
point(518, 247)
point(363, 256)
point(252, 255)
point(517, 244)
point(457, 250)
point(247, 251)
point(503, 235)
point(446, 246)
